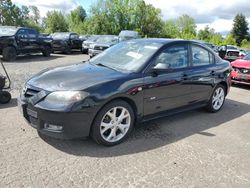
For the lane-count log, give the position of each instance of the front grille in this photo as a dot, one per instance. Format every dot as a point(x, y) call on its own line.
point(100, 47)
point(235, 54)
point(30, 92)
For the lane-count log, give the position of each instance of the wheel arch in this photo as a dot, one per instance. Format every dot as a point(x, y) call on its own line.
point(225, 85)
point(126, 99)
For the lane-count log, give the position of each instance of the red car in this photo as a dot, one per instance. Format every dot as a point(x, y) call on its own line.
point(241, 70)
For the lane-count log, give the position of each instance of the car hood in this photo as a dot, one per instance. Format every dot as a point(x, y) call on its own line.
point(5, 36)
point(75, 77)
point(104, 44)
point(241, 63)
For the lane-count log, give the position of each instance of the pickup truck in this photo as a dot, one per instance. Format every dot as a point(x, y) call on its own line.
point(22, 40)
point(66, 42)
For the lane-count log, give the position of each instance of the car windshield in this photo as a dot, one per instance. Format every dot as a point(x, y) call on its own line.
point(60, 36)
point(8, 30)
point(231, 47)
point(127, 56)
point(106, 39)
point(247, 57)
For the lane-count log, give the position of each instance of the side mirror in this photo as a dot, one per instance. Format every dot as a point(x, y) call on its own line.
point(161, 66)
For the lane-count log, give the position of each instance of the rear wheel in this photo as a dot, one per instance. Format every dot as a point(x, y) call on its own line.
point(5, 97)
point(9, 53)
point(113, 123)
point(217, 99)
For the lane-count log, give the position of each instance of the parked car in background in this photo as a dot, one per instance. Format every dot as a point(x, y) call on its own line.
point(128, 35)
point(83, 37)
point(229, 52)
point(22, 40)
point(66, 42)
point(135, 80)
point(102, 43)
point(86, 44)
point(241, 71)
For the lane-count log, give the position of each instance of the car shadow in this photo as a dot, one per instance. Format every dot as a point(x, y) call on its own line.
point(74, 52)
point(242, 86)
point(157, 133)
point(34, 57)
point(11, 104)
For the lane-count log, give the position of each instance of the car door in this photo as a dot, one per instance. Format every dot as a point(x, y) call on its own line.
point(74, 41)
point(166, 81)
point(33, 40)
point(202, 74)
point(22, 40)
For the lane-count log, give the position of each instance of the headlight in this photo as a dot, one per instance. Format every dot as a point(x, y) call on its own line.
point(64, 98)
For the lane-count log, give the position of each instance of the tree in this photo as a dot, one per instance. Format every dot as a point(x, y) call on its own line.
point(240, 28)
point(170, 29)
point(245, 44)
point(56, 22)
point(76, 19)
point(10, 14)
point(206, 34)
point(216, 39)
point(112, 16)
point(229, 40)
point(186, 25)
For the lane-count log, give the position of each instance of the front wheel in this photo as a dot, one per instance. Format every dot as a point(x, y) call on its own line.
point(47, 51)
point(9, 53)
point(217, 99)
point(5, 97)
point(113, 123)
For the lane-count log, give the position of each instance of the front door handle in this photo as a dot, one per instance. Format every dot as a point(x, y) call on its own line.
point(184, 77)
point(212, 73)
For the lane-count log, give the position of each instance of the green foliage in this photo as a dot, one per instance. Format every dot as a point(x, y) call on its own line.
point(186, 25)
point(216, 39)
point(112, 16)
point(245, 44)
point(240, 28)
point(10, 14)
point(183, 27)
point(229, 40)
point(76, 20)
point(56, 22)
point(170, 29)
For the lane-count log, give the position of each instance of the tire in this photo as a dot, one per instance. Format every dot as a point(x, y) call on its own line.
point(5, 97)
point(217, 99)
point(47, 51)
point(9, 53)
point(108, 129)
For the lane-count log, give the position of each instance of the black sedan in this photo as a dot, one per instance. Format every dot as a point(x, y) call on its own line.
point(136, 80)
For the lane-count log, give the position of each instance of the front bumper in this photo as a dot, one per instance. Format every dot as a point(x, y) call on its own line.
point(93, 52)
point(240, 78)
point(74, 124)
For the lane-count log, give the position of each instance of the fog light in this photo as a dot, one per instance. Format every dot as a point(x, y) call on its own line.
point(53, 128)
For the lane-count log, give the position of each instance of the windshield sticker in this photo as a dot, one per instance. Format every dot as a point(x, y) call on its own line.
point(151, 47)
point(134, 55)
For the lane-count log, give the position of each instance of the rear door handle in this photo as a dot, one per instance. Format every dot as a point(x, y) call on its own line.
point(184, 76)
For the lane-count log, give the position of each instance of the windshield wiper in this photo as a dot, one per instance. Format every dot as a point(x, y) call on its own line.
point(102, 65)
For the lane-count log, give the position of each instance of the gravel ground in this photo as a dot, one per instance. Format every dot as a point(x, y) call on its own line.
point(191, 149)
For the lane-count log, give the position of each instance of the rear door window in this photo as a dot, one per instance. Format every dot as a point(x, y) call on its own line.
point(201, 56)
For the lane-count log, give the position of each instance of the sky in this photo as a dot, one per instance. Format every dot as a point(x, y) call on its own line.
point(216, 14)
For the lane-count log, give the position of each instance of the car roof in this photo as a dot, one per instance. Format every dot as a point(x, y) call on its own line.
point(66, 32)
point(163, 40)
